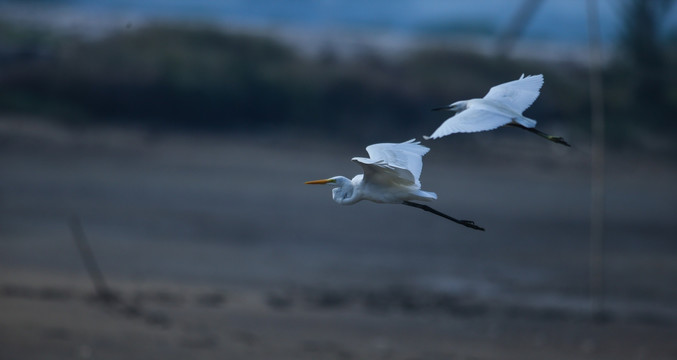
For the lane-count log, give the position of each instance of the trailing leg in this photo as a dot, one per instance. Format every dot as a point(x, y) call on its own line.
point(468, 223)
point(555, 139)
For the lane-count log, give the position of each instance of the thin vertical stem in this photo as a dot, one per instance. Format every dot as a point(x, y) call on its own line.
point(596, 162)
point(506, 40)
point(100, 286)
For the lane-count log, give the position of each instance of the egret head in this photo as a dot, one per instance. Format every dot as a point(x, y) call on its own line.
point(455, 107)
point(343, 189)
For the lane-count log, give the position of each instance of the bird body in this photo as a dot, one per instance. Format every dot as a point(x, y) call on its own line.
point(391, 176)
point(503, 105)
point(498, 109)
point(351, 191)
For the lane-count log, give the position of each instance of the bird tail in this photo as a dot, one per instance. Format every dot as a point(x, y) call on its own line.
point(526, 122)
point(425, 195)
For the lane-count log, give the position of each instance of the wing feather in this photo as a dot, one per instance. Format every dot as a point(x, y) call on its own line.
point(393, 163)
point(379, 172)
point(518, 94)
point(471, 120)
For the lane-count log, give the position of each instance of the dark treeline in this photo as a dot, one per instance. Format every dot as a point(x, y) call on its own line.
point(202, 78)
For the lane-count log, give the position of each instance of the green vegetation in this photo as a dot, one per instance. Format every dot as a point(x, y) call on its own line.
point(202, 78)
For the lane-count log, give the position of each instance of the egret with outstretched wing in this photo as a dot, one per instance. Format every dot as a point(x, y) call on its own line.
point(391, 175)
point(503, 105)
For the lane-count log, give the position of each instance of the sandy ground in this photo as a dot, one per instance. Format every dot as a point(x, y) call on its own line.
point(216, 248)
point(181, 321)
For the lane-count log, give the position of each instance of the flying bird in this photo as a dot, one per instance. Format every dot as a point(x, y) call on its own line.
point(391, 176)
point(503, 105)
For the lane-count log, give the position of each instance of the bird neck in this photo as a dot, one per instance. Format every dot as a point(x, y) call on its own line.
point(346, 192)
point(462, 105)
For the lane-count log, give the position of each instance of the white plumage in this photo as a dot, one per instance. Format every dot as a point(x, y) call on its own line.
point(405, 159)
point(518, 94)
point(502, 105)
point(391, 175)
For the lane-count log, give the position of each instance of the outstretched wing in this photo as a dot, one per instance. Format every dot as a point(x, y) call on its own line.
point(519, 94)
point(471, 120)
point(393, 163)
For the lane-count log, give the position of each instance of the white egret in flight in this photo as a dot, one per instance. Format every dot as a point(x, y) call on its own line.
point(503, 105)
point(391, 176)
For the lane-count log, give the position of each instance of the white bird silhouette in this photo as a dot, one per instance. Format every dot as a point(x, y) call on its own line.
point(391, 175)
point(503, 105)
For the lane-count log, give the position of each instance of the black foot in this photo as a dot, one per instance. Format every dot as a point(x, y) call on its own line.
point(558, 140)
point(470, 224)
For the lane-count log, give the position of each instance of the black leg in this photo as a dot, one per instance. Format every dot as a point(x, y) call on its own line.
point(555, 139)
point(468, 223)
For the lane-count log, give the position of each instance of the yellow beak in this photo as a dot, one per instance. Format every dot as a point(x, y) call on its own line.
point(320, 182)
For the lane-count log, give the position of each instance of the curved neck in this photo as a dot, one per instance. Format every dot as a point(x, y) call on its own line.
point(461, 106)
point(345, 193)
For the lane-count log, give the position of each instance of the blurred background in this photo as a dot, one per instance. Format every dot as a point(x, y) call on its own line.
point(153, 154)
